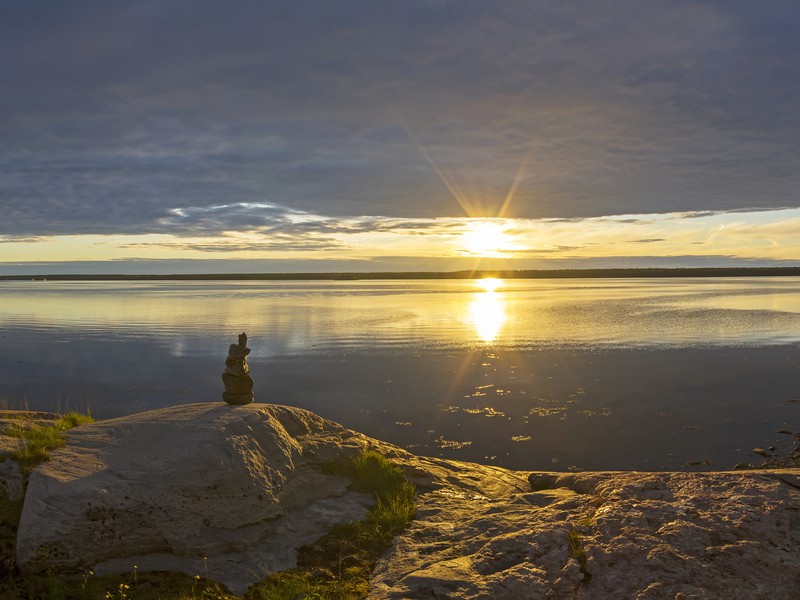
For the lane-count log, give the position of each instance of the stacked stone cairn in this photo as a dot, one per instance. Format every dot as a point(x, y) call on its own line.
point(236, 377)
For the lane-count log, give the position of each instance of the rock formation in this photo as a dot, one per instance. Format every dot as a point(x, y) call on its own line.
point(490, 533)
point(240, 485)
point(243, 485)
point(236, 377)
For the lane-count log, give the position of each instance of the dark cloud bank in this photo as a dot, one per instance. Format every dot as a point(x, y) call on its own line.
point(159, 116)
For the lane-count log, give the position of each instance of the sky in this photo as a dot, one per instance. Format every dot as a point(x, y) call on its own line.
point(308, 135)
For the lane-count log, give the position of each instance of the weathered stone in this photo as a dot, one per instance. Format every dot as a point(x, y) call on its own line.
point(11, 479)
point(242, 486)
point(236, 377)
point(640, 535)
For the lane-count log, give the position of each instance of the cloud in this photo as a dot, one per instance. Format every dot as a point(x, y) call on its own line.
point(116, 115)
point(279, 243)
point(8, 239)
point(562, 249)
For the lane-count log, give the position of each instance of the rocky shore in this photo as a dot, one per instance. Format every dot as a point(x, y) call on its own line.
point(236, 490)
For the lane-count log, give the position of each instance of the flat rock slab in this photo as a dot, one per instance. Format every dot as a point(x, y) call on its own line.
point(598, 536)
point(231, 491)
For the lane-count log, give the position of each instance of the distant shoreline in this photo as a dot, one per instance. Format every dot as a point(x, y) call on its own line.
point(477, 274)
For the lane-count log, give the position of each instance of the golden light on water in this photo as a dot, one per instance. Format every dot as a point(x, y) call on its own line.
point(487, 311)
point(489, 284)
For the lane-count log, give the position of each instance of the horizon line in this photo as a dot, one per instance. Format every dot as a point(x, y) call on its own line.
point(460, 274)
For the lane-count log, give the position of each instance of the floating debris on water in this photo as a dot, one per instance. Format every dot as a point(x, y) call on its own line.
point(443, 443)
point(547, 411)
point(488, 411)
point(603, 412)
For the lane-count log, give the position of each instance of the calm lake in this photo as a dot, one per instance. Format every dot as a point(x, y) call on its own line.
point(526, 374)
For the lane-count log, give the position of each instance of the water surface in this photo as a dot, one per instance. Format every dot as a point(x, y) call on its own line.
point(557, 374)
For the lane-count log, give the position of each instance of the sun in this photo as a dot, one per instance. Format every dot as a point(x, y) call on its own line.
point(485, 238)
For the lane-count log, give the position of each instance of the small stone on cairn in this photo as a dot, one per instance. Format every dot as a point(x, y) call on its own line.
point(236, 377)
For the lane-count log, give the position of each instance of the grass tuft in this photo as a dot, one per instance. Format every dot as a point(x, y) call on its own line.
point(73, 419)
point(39, 440)
point(577, 551)
point(394, 509)
point(338, 565)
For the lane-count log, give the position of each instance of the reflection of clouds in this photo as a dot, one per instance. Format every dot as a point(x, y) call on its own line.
point(178, 348)
point(487, 313)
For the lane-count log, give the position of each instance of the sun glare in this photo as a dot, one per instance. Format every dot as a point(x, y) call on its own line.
point(489, 284)
point(487, 311)
point(486, 239)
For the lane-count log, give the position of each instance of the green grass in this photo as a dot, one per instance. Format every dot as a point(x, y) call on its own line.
point(394, 496)
point(339, 565)
point(38, 440)
point(577, 551)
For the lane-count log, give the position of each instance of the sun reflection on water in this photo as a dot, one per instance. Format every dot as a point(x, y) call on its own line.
point(489, 284)
point(487, 311)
